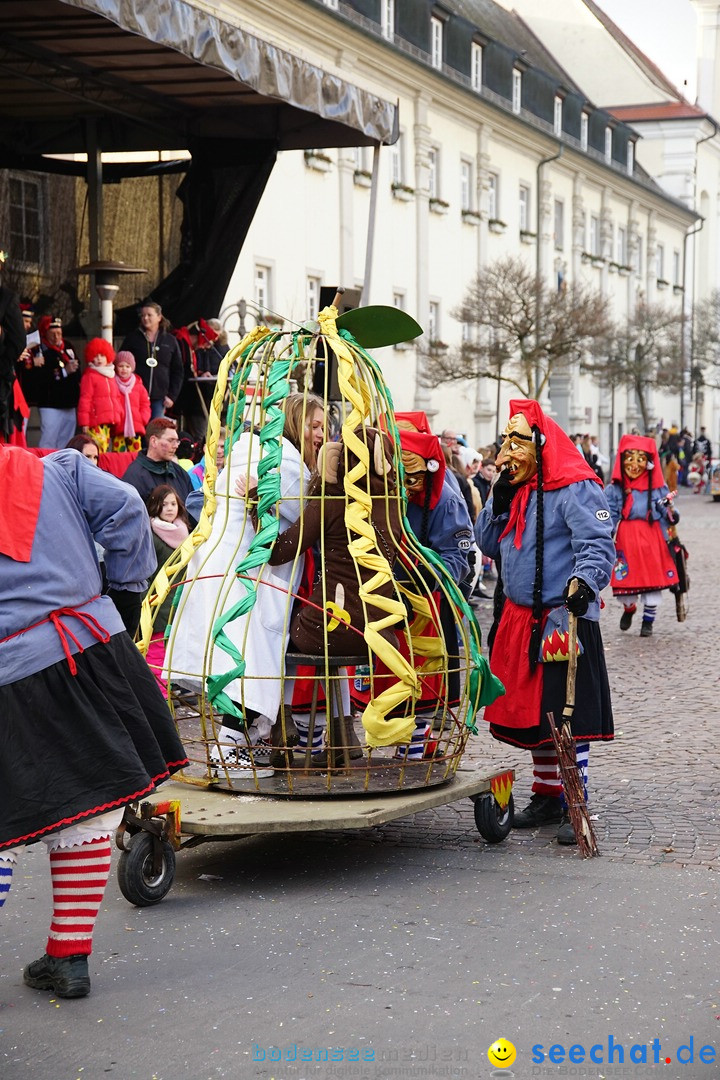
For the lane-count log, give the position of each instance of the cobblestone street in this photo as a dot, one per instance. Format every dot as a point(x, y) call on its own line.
point(654, 791)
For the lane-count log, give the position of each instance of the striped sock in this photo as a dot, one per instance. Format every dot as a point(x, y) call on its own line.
point(79, 876)
point(649, 613)
point(417, 740)
point(6, 872)
point(582, 753)
point(546, 778)
point(302, 723)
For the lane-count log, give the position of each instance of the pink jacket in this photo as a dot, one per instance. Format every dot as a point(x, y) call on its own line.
point(99, 400)
point(140, 405)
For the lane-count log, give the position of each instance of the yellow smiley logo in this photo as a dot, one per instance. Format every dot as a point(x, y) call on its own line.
point(502, 1054)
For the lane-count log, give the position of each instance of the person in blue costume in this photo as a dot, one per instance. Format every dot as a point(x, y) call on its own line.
point(546, 523)
point(85, 728)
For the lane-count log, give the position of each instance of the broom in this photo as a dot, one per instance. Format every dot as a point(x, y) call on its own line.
point(565, 749)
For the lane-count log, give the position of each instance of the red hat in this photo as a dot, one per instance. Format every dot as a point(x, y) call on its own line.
point(654, 468)
point(96, 347)
point(561, 462)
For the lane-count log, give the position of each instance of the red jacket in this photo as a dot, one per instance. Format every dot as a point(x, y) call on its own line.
point(99, 400)
point(140, 405)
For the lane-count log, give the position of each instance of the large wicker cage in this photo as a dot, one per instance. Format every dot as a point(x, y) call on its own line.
point(415, 669)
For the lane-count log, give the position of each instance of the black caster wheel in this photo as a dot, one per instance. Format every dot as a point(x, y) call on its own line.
point(493, 824)
point(138, 881)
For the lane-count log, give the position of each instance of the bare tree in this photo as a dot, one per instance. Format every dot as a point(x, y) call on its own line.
point(502, 306)
point(705, 368)
point(642, 353)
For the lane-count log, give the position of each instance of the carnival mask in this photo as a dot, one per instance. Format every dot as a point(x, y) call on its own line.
point(518, 453)
point(635, 462)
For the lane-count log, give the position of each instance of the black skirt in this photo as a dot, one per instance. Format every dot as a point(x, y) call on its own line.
point(592, 718)
point(76, 746)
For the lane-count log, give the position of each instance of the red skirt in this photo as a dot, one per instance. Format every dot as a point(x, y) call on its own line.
point(643, 562)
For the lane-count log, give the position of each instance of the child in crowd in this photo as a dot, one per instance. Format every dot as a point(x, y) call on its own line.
point(170, 525)
point(99, 406)
point(135, 404)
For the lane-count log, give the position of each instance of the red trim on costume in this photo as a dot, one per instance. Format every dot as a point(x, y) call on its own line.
point(172, 766)
point(21, 481)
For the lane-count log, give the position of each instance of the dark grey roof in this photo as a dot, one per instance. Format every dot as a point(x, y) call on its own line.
point(507, 28)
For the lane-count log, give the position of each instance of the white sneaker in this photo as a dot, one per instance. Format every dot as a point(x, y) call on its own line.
point(240, 759)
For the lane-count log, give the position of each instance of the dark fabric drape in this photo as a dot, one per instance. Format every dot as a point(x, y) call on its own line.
point(220, 195)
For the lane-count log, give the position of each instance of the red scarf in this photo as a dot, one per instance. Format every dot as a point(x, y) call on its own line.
point(21, 483)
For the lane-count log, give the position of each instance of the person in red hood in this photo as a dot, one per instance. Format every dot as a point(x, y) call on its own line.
point(642, 510)
point(547, 521)
point(99, 407)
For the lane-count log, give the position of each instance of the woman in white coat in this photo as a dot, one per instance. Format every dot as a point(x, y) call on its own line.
point(212, 589)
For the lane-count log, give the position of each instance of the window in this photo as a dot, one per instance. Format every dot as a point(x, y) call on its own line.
point(262, 287)
point(434, 321)
point(466, 332)
point(660, 262)
point(398, 160)
point(313, 296)
point(493, 201)
point(387, 19)
point(559, 215)
point(399, 300)
point(360, 155)
point(595, 248)
point(584, 124)
point(621, 250)
point(639, 255)
point(331, 4)
point(476, 66)
point(436, 42)
point(677, 280)
point(466, 185)
point(524, 208)
point(25, 213)
point(630, 157)
point(433, 170)
point(608, 144)
point(558, 115)
point(516, 90)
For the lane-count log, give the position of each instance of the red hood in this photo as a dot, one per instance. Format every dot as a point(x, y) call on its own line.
point(427, 446)
point(21, 482)
point(562, 463)
point(648, 446)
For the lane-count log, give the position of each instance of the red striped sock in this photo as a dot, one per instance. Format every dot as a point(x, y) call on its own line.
point(79, 877)
point(546, 778)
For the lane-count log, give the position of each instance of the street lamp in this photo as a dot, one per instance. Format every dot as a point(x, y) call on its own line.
point(106, 275)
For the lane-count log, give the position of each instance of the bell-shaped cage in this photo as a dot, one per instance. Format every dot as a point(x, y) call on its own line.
point(313, 644)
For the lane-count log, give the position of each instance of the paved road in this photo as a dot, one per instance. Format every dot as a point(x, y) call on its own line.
point(655, 791)
point(418, 941)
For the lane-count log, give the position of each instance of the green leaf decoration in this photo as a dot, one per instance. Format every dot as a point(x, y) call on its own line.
point(379, 325)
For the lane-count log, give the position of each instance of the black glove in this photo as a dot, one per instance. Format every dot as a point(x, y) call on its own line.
point(502, 493)
point(578, 603)
point(128, 605)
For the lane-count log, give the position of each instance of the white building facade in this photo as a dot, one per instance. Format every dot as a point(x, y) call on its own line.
point(482, 104)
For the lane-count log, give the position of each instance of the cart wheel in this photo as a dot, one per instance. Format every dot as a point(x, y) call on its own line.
point(493, 823)
point(137, 880)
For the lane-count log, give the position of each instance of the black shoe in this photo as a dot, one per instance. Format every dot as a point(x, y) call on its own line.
point(627, 617)
point(66, 976)
point(541, 810)
point(646, 629)
point(566, 832)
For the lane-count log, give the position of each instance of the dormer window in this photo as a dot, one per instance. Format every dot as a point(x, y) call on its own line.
point(436, 42)
point(584, 126)
point(387, 19)
point(630, 157)
point(558, 115)
point(516, 91)
point(608, 144)
point(476, 66)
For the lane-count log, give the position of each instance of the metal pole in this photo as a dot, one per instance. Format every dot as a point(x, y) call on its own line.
point(538, 266)
point(94, 179)
point(371, 226)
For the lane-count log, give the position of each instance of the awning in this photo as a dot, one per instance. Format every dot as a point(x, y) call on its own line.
point(164, 74)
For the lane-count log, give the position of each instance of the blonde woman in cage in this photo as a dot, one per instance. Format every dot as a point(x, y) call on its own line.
point(211, 589)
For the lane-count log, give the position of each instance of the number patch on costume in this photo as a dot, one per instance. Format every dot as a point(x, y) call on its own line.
point(602, 515)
